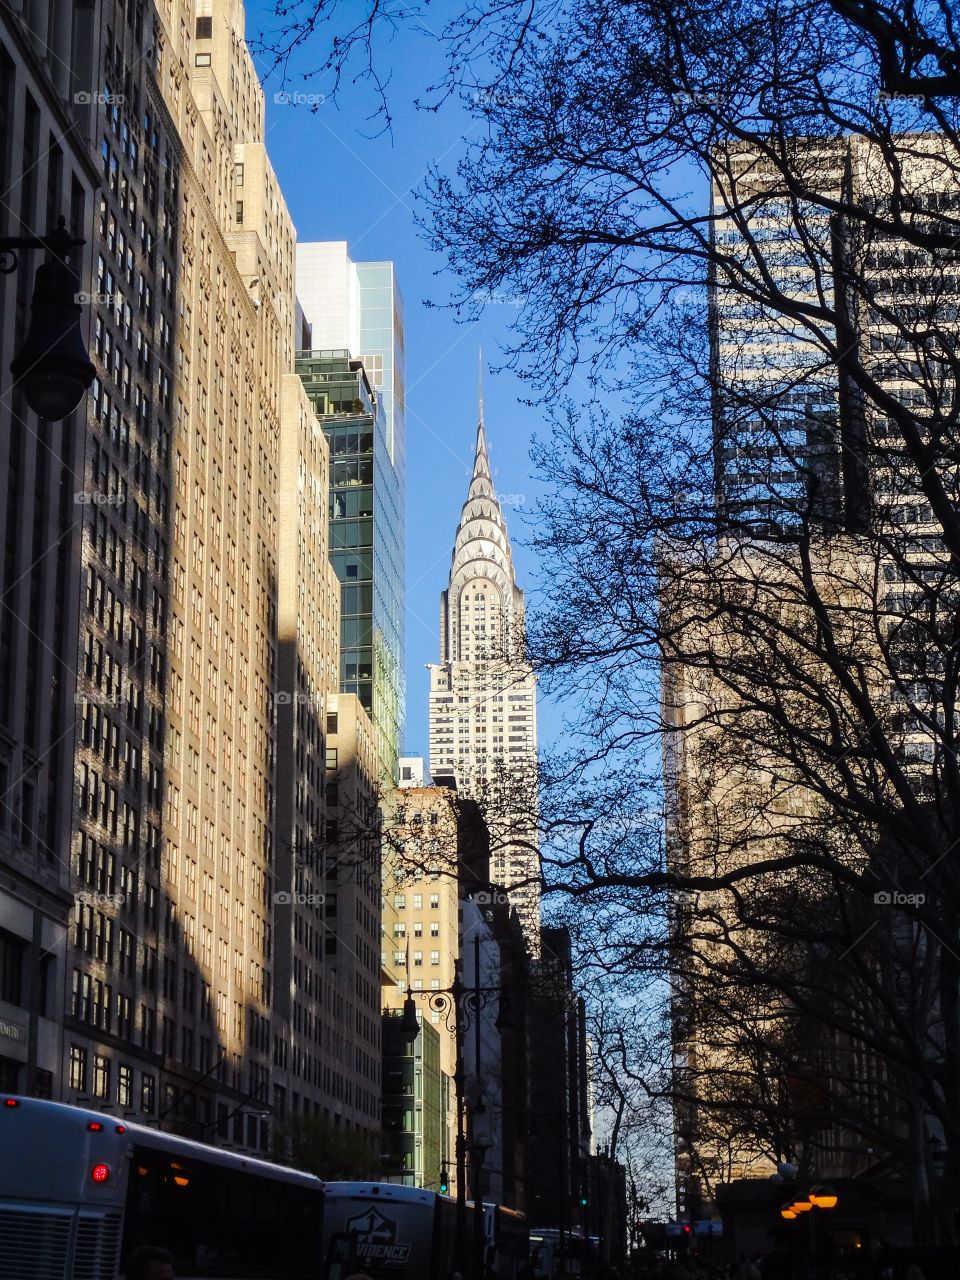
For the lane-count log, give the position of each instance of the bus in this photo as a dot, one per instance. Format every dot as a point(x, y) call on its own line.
point(393, 1232)
point(388, 1231)
point(507, 1241)
point(80, 1190)
point(555, 1254)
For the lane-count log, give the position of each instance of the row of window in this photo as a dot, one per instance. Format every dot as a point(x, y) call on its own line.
point(98, 1080)
point(400, 901)
point(399, 957)
point(400, 929)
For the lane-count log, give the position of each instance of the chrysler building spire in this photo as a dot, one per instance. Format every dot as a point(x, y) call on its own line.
point(483, 690)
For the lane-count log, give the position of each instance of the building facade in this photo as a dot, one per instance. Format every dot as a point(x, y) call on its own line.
point(326, 1046)
point(190, 878)
point(48, 84)
point(171, 971)
point(560, 1120)
point(798, 448)
point(421, 887)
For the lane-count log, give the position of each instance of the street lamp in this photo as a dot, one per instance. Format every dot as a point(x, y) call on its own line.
point(818, 1197)
point(455, 1003)
point(53, 368)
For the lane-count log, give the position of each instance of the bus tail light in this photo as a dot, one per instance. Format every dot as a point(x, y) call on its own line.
point(100, 1172)
point(10, 1102)
point(94, 1126)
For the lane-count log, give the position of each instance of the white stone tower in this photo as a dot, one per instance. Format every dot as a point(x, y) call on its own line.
point(483, 715)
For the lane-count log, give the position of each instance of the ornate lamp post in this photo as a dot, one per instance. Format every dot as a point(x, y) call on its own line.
point(818, 1197)
point(53, 367)
point(459, 1003)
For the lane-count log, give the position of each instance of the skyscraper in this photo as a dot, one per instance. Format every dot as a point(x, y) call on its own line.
point(809, 438)
point(46, 171)
point(483, 715)
point(173, 743)
point(776, 401)
point(354, 375)
point(171, 972)
point(366, 541)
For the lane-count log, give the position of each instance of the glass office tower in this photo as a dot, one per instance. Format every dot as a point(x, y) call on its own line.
point(366, 537)
point(355, 312)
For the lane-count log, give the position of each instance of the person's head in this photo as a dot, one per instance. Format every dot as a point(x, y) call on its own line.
point(150, 1262)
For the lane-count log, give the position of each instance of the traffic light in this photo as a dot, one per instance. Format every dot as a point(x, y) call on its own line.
point(583, 1202)
point(444, 1181)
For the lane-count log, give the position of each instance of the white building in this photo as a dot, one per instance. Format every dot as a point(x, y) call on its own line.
point(483, 713)
point(357, 307)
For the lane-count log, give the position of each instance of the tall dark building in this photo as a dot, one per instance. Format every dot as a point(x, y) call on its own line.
point(560, 1120)
point(48, 89)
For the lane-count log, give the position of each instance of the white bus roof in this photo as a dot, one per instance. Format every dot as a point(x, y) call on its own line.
point(383, 1190)
point(169, 1142)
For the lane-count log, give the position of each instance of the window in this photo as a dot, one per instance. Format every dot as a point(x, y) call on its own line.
point(331, 757)
point(434, 957)
point(101, 1076)
point(418, 958)
point(434, 928)
point(434, 902)
point(418, 902)
point(205, 32)
point(11, 967)
point(78, 1068)
point(202, 60)
point(399, 901)
point(148, 1094)
point(125, 1086)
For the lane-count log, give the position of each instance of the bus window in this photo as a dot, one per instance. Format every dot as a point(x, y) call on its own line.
point(221, 1222)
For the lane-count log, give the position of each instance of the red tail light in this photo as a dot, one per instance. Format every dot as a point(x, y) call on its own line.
point(100, 1172)
point(94, 1126)
point(10, 1102)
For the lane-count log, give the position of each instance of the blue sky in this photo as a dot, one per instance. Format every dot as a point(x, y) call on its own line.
point(342, 183)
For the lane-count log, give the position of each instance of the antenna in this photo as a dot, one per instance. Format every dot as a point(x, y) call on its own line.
point(480, 382)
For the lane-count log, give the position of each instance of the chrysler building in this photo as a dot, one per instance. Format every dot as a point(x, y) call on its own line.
point(483, 715)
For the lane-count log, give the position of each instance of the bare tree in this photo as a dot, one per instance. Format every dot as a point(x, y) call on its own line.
point(740, 223)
